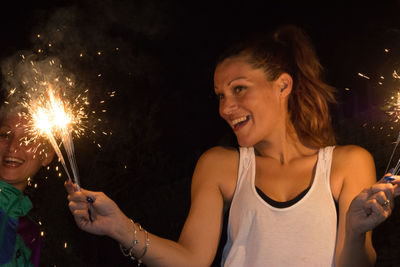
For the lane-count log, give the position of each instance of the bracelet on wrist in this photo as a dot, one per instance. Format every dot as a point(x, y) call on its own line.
point(147, 243)
point(129, 251)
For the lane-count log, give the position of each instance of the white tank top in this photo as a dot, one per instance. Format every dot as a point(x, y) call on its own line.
point(303, 234)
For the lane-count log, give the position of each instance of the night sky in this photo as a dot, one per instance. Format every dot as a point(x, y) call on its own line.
point(158, 56)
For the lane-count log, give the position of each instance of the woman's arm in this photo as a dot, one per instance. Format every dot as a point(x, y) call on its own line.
point(199, 239)
point(360, 205)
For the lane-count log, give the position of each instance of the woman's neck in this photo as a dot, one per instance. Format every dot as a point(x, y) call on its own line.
point(283, 147)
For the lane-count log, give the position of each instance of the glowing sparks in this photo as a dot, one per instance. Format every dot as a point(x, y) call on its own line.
point(11, 92)
point(363, 75)
point(50, 116)
point(49, 110)
point(53, 118)
point(393, 110)
point(393, 107)
point(54, 108)
point(395, 75)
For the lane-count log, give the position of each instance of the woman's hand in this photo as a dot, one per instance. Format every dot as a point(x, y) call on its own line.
point(94, 212)
point(372, 206)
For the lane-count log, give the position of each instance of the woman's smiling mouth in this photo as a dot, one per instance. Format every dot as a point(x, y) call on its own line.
point(239, 122)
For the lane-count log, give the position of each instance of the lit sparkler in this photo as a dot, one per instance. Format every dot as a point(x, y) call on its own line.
point(394, 112)
point(51, 118)
point(52, 111)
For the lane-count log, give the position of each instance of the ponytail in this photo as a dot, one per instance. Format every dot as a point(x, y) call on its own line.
point(310, 96)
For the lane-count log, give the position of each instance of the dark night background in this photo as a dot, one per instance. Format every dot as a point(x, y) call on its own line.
point(164, 115)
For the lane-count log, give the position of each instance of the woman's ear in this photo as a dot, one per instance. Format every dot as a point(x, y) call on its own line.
point(285, 82)
point(48, 158)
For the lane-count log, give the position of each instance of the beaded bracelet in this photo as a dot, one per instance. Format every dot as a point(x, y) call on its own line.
point(128, 252)
point(139, 259)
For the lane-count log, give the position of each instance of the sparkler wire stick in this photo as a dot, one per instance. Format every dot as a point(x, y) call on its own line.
point(396, 168)
point(68, 143)
point(51, 118)
point(391, 156)
point(58, 152)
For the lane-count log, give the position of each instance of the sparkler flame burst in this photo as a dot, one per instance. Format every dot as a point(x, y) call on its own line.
point(50, 117)
point(52, 111)
point(393, 110)
point(393, 104)
point(53, 108)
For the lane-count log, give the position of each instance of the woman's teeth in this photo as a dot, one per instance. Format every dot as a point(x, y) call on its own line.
point(240, 120)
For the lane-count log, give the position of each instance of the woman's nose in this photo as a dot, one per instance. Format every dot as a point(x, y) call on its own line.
point(228, 106)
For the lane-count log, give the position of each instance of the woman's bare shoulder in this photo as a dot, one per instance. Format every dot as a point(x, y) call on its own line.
point(218, 165)
point(351, 154)
point(219, 160)
point(220, 153)
point(355, 163)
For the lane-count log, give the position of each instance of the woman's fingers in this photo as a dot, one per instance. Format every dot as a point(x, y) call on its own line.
point(81, 214)
point(72, 190)
point(379, 205)
point(77, 196)
point(73, 205)
point(83, 195)
point(372, 206)
point(383, 200)
point(395, 181)
point(386, 188)
point(375, 211)
point(69, 186)
point(389, 178)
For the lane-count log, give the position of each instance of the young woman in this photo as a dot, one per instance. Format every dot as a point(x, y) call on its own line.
point(281, 186)
point(19, 236)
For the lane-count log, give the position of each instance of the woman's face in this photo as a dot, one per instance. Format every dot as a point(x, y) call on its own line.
point(18, 160)
point(250, 103)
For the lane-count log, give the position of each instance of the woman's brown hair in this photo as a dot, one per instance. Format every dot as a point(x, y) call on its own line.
point(289, 50)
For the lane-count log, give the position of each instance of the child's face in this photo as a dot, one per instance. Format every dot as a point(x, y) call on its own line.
point(18, 161)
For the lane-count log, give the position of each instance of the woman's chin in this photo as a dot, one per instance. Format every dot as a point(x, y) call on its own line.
point(244, 142)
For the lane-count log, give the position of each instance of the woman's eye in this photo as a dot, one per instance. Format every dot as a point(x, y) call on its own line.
point(238, 89)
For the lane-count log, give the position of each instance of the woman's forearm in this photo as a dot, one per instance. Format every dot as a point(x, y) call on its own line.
point(159, 251)
point(356, 252)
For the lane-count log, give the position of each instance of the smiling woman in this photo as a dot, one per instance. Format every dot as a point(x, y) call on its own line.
point(280, 186)
point(20, 161)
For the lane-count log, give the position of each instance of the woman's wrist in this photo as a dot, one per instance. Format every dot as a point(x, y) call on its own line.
point(123, 232)
point(136, 249)
point(354, 234)
point(353, 230)
point(355, 237)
